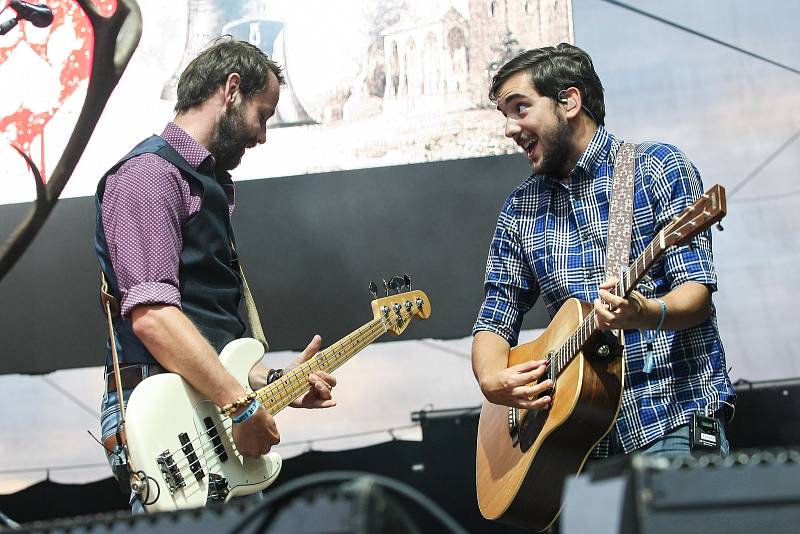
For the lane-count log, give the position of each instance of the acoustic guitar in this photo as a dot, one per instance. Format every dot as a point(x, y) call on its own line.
point(524, 457)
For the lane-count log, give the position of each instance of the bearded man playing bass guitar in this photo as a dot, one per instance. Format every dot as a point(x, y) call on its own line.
point(165, 243)
point(550, 241)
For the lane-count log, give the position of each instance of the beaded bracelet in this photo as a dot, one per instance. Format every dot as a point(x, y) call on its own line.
point(228, 409)
point(248, 413)
point(650, 337)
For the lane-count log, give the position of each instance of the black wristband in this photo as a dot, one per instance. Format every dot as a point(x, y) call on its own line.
point(273, 375)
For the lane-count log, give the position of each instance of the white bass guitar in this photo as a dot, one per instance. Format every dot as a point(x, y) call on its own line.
point(179, 443)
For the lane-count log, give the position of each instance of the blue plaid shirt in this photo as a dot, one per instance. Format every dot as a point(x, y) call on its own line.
point(551, 239)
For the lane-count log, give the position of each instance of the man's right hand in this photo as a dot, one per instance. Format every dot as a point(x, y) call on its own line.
point(513, 386)
point(180, 348)
point(256, 436)
point(516, 386)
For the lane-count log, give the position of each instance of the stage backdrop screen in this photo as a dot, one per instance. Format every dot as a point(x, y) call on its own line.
point(369, 82)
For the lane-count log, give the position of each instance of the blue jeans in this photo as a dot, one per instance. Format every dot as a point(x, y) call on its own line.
point(109, 421)
point(674, 443)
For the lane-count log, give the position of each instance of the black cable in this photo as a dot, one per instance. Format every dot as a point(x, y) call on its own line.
point(699, 34)
point(764, 163)
point(90, 410)
point(309, 481)
point(144, 478)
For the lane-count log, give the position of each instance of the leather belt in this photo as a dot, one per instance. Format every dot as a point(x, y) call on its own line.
point(132, 375)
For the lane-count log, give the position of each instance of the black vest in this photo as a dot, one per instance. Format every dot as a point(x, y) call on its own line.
point(208, 274)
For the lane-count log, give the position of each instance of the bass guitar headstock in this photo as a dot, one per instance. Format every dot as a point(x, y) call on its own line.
point(397, 310)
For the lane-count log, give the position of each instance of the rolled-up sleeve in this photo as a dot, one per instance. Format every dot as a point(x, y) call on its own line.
point(678, 186)
point(510, 287)
point(144, 210)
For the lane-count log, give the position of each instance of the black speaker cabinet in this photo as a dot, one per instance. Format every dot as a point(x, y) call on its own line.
point(767, 414)
point(755, 491)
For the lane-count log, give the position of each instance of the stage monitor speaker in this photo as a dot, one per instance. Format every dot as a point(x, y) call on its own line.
point(330, 502)
point(767, 414)
point(745, 492)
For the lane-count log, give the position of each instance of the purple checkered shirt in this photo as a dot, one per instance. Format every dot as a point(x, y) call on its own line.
point(145, 205)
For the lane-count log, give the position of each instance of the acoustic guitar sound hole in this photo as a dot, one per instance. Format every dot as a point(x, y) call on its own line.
point(533, 420)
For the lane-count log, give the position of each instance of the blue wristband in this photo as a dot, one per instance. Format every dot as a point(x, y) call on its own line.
point(248, 413)
point(650, 337)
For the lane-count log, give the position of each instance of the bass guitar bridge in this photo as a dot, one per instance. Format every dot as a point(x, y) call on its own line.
point(170, 471)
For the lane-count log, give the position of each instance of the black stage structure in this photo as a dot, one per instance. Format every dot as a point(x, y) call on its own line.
point(429, 481)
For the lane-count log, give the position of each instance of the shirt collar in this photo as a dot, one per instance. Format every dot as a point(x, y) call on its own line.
point(184, 144)
point(597, 150)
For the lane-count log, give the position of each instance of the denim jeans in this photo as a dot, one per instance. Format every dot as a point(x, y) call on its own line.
point(109, 421)
point(674, 443)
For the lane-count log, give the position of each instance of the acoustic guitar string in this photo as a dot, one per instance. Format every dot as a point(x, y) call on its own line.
point(579, 336)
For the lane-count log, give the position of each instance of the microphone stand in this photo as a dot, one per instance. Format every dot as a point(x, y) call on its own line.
point(8, 25)
point(7, 521)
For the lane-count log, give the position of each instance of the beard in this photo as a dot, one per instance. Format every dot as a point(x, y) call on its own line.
point(230, 139)
point(559, 144)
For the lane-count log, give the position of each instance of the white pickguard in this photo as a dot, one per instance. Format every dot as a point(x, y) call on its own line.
point(164, 406)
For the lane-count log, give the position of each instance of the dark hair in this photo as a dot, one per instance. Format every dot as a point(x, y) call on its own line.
point(211, 68)
point(553, 69)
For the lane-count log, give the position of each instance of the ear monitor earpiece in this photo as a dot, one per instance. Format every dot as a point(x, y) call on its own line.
point(570, 102)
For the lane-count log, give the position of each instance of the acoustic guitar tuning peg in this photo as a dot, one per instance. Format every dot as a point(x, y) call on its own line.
point(385, 286)
point(373, 289)
point(407, 282)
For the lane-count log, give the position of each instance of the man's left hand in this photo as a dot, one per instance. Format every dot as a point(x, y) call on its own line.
point(618, 313)
point(319, 394)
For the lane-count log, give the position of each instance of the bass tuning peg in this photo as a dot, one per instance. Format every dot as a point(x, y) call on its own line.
point(396, 283)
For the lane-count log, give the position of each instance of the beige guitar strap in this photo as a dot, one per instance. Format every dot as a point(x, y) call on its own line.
point(252, 313)
point(620, 215)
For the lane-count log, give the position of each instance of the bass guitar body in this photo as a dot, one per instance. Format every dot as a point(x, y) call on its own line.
point(184, 447)
point(523, 457)
point(180, 444)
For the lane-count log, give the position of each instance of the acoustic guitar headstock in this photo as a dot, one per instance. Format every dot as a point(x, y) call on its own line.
point(710, 208)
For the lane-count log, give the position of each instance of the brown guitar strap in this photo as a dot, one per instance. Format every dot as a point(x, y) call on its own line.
point(111, 307)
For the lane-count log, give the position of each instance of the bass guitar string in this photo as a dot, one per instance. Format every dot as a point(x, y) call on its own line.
point(290, 377)
point(369, 329)
point(580, 335)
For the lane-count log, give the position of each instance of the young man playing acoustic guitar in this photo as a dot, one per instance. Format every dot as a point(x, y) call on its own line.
point(164, 240)
point(550, 241)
